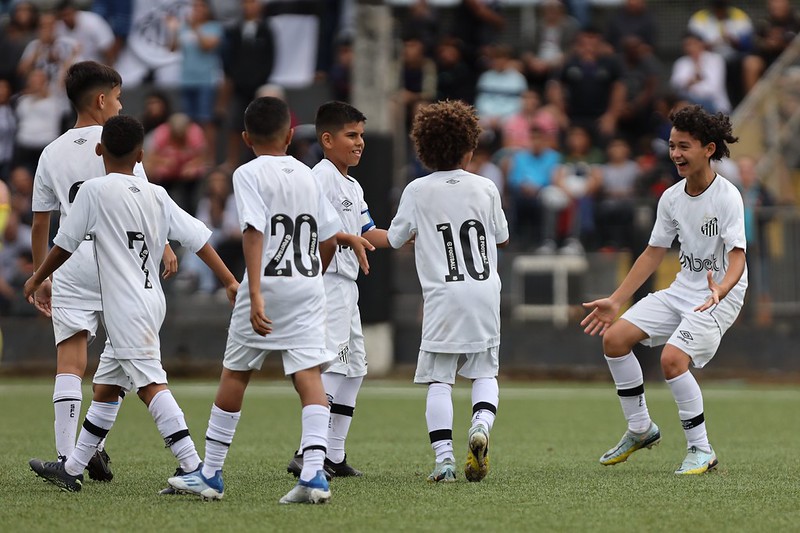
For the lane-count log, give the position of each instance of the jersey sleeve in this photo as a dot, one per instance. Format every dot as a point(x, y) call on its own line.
point(183, 227)
point(664, 231)
point(44, 194)
point(404, 223)
point(249, 202)
point(81, 220)
point(498, 217)
point(329, 222)
point(365, 218)
point(732, 223)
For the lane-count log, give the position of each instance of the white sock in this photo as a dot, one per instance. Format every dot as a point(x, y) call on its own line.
point(627, 374)
point(67, 407)
point(172, 426)
point(315, 439)
point(485, 398)
point(99, 418)
point(102, 444)
point(219, 436)
point(343, 406)
point(439, 416)
point(687, 395)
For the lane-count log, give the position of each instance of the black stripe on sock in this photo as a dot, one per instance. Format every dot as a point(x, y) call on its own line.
point(175, 437)
point(627, 393)
point(122, 394)
point(441, 434)
point(484, 406)
point(97, 431)
point(315, 447)
point(226, 444)
point(693, 422)
point(345, 410)
point(67, 400)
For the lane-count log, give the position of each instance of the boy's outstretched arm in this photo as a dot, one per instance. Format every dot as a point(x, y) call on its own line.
point(252, 243)
point(605, 310)
point(359, 245)
point(57, 257)
point(214, 262)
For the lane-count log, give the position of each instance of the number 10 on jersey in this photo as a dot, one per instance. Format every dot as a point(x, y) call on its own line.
point(466, 234)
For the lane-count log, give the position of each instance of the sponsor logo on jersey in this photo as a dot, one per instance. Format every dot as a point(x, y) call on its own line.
point(346, 205)
point(452, 181)
point(80, 141)
point(710, 227)
point(288, 170)
point(133, 189)
point(697, 264)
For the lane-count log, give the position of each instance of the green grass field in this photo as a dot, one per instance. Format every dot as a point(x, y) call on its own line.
point(544, 476)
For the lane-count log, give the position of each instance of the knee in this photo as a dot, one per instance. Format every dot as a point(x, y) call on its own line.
point(674, 363)
point(615, 345)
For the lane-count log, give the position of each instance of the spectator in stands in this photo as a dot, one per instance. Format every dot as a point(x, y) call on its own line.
point(8, 129)
point(589, 88)
point(632, 18)
point(773, 34)
point(14, 37)
point(517, 129)
point(499, 89)
point(478, 23)
point(455, 79)
point(482, 165)
point(728, 31)
point(616, 198)
point(552, 41)
point(20, 184)
point(248, 57)
point(39, 114)
point(49, 52)
point(119, 15)
point(417, 79)
point(175, 159)
point(643, 76)
point(89, 30)
point(579, 178)
point(200, 40)
point(421, 20)
point(529, 174)
point(157, 110)
point(340, 74)
point(699, 76)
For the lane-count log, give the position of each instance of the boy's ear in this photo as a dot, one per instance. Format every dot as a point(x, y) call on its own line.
point(140, 155)
point(246, 139)
point(711, 148)
point(326, 139)
point(289, 136)
point(98, 149)
point(100, 100)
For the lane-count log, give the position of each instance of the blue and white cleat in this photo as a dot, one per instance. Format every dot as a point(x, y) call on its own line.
point(477, 465)
point(444, 472)
point(629, 443)
point(196, 483)
point(315, 490)
point(698, 461)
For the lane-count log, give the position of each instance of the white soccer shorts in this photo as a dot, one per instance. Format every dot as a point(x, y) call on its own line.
point(434, 367)
point(242, 358)
point(130, 374)
point(67, 322)
point(344, 336)
point(668, 319)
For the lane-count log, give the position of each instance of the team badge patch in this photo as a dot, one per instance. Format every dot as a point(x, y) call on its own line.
point(710, 227)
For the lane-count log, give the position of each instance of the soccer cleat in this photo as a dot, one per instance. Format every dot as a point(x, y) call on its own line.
point(444, 472)
point(629, 443)
point(698, 461)
point(340, 469)
point(171, 490)
point(98, 468)
point(196, 483)
point(55, 473)
point(316, 490)
point(295, 466)
point(477, 454)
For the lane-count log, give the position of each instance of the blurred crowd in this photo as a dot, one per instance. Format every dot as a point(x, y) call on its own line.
point(575, 113)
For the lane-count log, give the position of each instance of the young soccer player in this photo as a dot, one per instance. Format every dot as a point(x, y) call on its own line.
point(457, 223)
point(706, 213)
point(280, 308)
point(340, 132)
point(128, 219)
point(65, 164)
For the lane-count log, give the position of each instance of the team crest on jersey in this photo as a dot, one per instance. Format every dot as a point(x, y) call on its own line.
point(452, 181)
point(133, 189)
point(346, 204)
point(80, 141)
point(710, 227)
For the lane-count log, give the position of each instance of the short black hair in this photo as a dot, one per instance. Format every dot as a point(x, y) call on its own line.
point(267, 118)
point(332, 116)
point(122, 136)
point(706, 128)
point(85, 77)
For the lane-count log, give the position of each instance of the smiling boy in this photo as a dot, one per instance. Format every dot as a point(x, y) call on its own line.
point(705, 212)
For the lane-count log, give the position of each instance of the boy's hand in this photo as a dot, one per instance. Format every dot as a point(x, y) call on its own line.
point(716, 295)
point(170, 261)
point(231, 290)
point(360, 246)
point(604, 311)
point(40, 295)
point(259, 321)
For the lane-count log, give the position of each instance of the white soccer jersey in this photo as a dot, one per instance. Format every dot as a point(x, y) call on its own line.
point(278, 196)
point(64, 165)
point(708, 227)
point(129, 221)
point(458, 221)
point(347, 197)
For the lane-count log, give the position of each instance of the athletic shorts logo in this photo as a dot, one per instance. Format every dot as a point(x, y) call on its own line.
point(710, 227)
point(685, 336)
